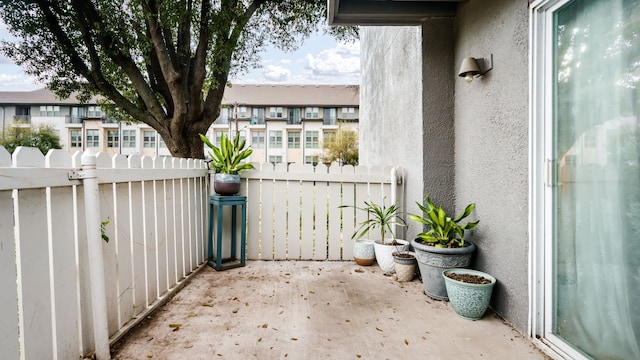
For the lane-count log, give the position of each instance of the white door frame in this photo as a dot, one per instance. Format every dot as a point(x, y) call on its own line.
point(541, 179)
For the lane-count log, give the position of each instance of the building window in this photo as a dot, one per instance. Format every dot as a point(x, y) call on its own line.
point(242, 112)
point(326, 134)
point(275, 139)
point(311, 139)
point(312, 113)
point(161, 142)
point(76, 138)
point(275, 112)
point(257, 116)
point(49, 110)
point(224, 116)
point(113, 139)
point(348, 113)
point(257, 139)
point(129, 138)
point(330, 116)
point(149, 139)
point(313, 160)
point(94, 111)
point(293, 139)
point(274, 159)
point(294, 116)
point(93, 138)
point(218, 137)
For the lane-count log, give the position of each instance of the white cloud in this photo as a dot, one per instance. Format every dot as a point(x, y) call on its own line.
point(17, 82)
point(276, 73)
point(342, 60)
point(285, 61)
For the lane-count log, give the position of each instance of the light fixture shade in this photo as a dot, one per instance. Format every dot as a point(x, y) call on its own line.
point(469, 67)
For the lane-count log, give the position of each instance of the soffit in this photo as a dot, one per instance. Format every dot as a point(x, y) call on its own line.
point(388, 12)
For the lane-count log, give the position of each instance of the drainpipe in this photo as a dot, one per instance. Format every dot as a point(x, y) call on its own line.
point(2, 106)
point(88, 175)
point(394, 189)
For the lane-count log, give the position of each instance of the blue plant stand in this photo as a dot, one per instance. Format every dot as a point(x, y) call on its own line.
point(217, 204)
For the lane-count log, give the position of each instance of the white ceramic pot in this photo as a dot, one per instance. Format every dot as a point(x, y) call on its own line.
point(363, 252)
point(383, 254)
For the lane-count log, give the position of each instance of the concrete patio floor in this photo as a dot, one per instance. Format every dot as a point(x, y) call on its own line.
point(315, 310)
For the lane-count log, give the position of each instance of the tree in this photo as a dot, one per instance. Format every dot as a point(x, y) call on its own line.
point(161, 62)
point(341, 146)
point(44, 137)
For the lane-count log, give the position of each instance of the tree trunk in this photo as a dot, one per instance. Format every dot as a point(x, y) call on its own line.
point(186, 144)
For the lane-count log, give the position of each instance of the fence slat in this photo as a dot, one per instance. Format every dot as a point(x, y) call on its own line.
point(9, 340)
point(149, 225)
point(294, 240)
point(34, 275)
point(306, 216)
point(280, 247)
point(335, 234)
point(268, 194)
point(254, 213)
point(321, 216)
point(63, 257)
point(137, 239)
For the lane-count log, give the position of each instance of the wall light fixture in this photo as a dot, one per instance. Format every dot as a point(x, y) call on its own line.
point(475, 67)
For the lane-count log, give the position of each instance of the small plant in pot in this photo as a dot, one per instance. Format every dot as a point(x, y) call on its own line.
point(442, 246)
point(227, 162)
point(383, 218)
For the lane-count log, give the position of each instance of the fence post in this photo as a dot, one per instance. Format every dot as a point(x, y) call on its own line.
point(394, 192)
point(96, 259)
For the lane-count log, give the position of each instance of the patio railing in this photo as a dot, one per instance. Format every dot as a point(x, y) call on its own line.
point(155, 216)
point(293, 212)
point(156, 213)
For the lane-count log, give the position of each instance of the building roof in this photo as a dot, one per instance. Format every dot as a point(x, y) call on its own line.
point(36, 97)
point(249, 95)
point(292, 95)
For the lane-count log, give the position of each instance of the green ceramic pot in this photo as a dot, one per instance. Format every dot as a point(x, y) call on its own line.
point(469, 301)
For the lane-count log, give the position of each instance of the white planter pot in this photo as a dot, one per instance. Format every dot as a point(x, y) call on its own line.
point(363, 252)
point(383, 254)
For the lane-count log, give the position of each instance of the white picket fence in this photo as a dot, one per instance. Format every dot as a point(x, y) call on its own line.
point(157, 210)
point(293, 213)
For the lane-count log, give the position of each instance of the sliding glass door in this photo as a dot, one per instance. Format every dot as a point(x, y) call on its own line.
point(592, 142)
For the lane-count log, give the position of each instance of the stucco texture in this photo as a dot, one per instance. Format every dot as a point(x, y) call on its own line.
point(391, 106)
point(491, 130)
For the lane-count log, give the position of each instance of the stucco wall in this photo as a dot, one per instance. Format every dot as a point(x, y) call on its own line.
point(391, 105)
point(491, 122)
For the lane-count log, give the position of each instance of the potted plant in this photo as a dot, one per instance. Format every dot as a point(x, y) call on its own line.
point(469, 291)
point(227, 162)
point(442, 246)
point(404, 265)
point(383, 218)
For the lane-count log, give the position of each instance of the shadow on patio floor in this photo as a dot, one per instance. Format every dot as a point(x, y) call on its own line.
point(315, 310)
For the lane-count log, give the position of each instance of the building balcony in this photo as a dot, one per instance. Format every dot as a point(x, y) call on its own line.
point(20, 120)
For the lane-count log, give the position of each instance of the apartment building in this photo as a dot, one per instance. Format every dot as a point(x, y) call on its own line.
point(286, 123)
point(282, 123)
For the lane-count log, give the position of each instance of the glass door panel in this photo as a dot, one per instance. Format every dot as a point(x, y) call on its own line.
point(596, 192)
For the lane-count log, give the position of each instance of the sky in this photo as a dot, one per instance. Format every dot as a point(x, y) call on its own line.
point(319, 60)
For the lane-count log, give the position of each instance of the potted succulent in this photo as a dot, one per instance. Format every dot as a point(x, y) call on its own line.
point(383, 218)
point(227, 162)
point(442, 246)
point(469, 291)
